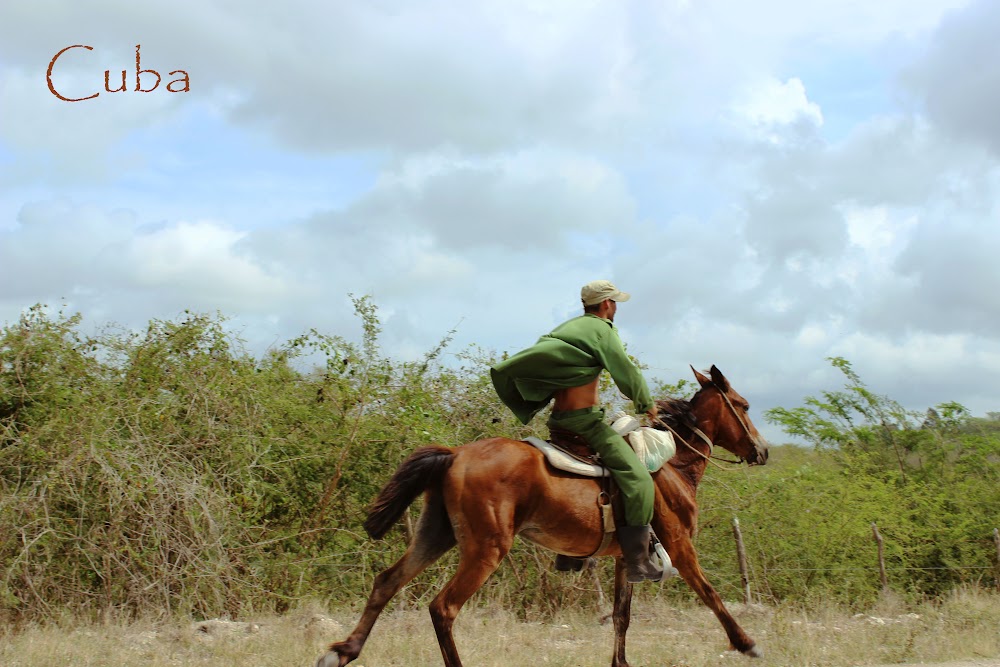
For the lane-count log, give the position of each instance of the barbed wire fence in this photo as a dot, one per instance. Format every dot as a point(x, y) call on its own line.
point(880, 566)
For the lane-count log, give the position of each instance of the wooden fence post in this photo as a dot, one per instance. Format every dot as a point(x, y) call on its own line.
point(407, 527)
point(742, 555)
point(881, 558)
point(996, 539)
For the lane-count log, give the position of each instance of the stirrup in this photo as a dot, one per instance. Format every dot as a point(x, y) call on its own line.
point(661, 558)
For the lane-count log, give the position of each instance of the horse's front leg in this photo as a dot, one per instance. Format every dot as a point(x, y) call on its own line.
point(686, 561)
point(622, 613)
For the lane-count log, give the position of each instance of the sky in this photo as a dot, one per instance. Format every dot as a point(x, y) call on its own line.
point(775, 182)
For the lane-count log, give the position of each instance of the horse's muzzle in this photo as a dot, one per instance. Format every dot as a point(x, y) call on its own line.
point(759, 456)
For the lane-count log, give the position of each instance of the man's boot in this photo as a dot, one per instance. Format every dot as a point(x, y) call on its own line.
point(634, 541)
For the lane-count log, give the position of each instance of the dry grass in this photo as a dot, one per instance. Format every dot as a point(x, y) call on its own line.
point(964, 627)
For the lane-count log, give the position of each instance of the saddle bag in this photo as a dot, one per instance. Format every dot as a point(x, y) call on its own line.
point(653, 447)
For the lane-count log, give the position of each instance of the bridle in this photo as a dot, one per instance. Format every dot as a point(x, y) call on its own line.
point(701, 434)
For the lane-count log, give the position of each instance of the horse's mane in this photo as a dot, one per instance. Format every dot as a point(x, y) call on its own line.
point(676, 412)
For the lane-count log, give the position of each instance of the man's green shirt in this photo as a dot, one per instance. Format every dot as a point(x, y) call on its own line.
point(574, 354)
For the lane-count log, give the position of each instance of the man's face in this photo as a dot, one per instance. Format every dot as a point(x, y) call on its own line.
point(612, 309)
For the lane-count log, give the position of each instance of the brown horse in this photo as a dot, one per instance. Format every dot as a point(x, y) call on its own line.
point(483, 494)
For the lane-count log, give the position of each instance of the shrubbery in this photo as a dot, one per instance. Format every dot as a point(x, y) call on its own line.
point(170, 471)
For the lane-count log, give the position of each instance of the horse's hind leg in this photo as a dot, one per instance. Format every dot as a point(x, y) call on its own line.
point(477, 563)
point(433, 538)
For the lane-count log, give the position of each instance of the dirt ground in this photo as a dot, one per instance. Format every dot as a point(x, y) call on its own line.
point(660, 636)
point(961, 663)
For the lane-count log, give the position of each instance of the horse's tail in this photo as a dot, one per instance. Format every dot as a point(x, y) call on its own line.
point(421, 470)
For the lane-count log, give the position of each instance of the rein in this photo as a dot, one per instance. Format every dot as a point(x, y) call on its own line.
point(701, 434)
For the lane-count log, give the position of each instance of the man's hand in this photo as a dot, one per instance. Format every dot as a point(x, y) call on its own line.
point(652, 414)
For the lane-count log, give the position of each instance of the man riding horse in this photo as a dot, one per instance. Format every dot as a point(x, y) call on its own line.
point(566, 365)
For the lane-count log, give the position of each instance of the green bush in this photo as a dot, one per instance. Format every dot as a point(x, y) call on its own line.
point(169, 471)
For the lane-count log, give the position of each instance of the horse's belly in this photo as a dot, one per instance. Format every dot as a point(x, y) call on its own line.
point(567, 525)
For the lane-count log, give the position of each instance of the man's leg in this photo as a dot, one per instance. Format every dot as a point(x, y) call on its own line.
point(629, 473)
point(633, 480)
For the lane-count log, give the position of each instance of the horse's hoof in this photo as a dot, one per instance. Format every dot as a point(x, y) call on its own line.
point(329, 659)
point(754, 652)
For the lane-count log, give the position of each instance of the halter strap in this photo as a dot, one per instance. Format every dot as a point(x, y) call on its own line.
point(746, 429)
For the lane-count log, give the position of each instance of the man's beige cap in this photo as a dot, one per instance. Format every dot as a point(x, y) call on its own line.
point(599, 290)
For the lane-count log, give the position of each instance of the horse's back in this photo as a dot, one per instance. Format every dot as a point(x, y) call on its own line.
point(505, 460)
point(495, 462)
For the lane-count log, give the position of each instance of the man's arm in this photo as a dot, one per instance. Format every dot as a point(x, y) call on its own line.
point(611, 354)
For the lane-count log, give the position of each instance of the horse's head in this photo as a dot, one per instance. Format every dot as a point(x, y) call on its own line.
point(727, 414)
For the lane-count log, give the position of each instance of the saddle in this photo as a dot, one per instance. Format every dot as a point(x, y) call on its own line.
point(569, 452)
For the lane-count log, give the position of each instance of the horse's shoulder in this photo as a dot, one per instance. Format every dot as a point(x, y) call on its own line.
point(678, 492)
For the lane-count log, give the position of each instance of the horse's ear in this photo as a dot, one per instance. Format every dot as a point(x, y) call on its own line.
point(719, 379)
point(702, 380)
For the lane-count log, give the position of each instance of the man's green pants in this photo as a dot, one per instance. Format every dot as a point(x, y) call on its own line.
point(629, 473)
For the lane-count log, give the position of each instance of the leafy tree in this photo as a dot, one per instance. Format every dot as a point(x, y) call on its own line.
point(925, 479)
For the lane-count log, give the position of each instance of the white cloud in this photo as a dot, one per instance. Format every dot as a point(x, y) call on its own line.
point(61, 143)
point(768, 106)
point(871, 229)
point(200, 256)
point(527, 201)
point(62, 250)
point(924, 369)
point(957, 80)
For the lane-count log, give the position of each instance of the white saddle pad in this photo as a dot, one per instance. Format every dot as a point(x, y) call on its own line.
point(563, 461)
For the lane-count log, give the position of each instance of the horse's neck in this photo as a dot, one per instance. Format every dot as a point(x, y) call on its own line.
point(691, 459)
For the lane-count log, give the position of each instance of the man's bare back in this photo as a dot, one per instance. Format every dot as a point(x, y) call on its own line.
point(575, 398)
point(585, 396)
